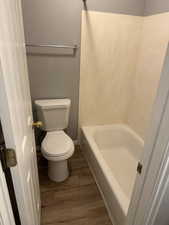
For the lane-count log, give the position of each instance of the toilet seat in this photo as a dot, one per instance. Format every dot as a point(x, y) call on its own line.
point(57, 145)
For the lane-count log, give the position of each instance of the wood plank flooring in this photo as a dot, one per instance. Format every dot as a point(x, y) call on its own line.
point(76, 201)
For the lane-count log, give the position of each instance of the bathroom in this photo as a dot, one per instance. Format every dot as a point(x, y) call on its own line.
point(96, 83)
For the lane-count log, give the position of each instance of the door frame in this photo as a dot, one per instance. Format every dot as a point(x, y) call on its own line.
point(6, 213)
point(9, 181)
point(151, 186)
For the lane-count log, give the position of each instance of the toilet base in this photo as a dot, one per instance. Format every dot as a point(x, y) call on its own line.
point(58, 171)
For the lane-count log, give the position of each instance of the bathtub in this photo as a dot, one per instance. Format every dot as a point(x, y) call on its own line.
point(113, 152)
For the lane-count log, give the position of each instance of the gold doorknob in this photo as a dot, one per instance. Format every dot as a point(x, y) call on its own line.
point(37, 124)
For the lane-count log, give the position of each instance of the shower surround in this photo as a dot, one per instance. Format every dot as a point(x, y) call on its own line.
point(121, 63)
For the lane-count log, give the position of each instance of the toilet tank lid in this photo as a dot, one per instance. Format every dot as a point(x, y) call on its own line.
point(53, 103)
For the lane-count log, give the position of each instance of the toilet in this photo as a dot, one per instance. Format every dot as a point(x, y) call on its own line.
point(57, 147)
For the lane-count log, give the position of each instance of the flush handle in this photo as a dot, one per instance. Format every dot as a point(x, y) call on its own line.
point(37, 124)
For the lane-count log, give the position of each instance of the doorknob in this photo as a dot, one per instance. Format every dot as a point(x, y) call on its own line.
point(37, 124)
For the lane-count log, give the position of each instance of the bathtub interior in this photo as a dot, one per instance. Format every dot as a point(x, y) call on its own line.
point(121, 148)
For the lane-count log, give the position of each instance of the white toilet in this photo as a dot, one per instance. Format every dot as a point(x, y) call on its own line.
point(57, 146)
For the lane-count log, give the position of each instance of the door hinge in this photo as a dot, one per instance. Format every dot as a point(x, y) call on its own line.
point(139, 168)
point(7, 157)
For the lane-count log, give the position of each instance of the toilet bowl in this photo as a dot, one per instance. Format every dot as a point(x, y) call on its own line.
point(57, 147)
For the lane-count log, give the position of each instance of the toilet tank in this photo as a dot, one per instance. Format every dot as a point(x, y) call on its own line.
point(54, 113)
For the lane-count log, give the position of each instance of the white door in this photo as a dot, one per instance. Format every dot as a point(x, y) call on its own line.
point(152, 184)
point(16, 111)
point(6, 214)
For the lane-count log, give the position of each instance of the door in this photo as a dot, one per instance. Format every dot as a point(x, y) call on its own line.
point(16, 111)
point(152, 184)
point(6, 214)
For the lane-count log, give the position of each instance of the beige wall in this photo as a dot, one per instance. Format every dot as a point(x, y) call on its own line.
point(121, 62)
point(154, 41)
point(109, 49)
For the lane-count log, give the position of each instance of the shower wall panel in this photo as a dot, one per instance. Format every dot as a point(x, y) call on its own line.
point(121, 62)
point(153, 46)
point(109, 51)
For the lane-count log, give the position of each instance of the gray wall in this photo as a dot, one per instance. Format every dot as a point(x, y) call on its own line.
point(132, 7)
point(58, 21)
point(156, 6)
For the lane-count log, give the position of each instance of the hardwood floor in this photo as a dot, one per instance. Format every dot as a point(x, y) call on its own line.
point(76, 201)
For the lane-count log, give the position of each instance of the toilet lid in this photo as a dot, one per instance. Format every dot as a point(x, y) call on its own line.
point(57, 143)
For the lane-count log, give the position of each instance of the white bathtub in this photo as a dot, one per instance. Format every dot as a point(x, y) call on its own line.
point(113, 152)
